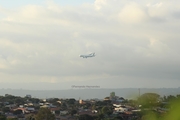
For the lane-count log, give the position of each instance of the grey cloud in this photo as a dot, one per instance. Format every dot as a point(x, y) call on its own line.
point(176, 14)
point(49, 46)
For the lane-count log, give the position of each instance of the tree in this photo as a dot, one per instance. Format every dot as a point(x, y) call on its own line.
point(12, 119)
point(133, 103)
point(86, 105)
point(178, 96)
point(30, 117)
point(17, 112)
point(106, 110)
point(71, 101)
point(34, 100)
point(18, 101)
point(151, 115)
point(5, 109)
point(94, 107)
point(118, 118)
point(72, 112)
point(149, 99)
point(173, 114)
point(85, 117)
point(63, 106)
point(171, 98)
point(2, 117)
point(100, 116)
point(55, 102)
point(45, 114)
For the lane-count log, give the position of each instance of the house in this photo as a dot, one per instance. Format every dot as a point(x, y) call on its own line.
point(30, 109)
point(120, 108)
point(55, 110)
point(63, 112)
point(45, 106)
point(11, 106)
point(48, 105)
point(28, 96)
point(10, 116)
point(94, 111)
point(121, 99)
point(86, 111)
point(22, 109)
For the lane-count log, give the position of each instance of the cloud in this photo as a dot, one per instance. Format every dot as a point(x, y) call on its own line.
point(99, 4)
point(132, 13)
point(43, 42)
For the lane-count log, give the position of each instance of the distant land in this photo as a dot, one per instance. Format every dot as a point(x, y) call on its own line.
point(127, 93)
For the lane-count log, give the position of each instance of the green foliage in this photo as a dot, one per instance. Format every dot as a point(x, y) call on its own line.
point(71, 101)
point(12, 118)
point(112, 94)
point(5, 109)
point(103, 103)
point(118, 118)
point(85, 117)
point(19, 100)
point(148, 100)
point(72, 112)
point(133, 103)
point(54, 102)
point(44, 114)
point(94, 107)
point(33, 100)
point(150, 116)
point(100, 116)
point(86, 105)
point(30, 117)
point(169, 98)
point(2, 117)
point(106, 110)
point(171, 114)
point(63, 106)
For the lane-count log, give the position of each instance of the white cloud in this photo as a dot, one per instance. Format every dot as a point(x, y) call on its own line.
point(158, 10)
point(158, 48)
point(100, 3)
point(132, 13)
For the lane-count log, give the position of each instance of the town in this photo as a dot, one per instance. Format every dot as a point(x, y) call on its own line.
point(111, 107)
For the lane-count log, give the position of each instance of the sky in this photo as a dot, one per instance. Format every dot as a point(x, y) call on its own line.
point(136, 44)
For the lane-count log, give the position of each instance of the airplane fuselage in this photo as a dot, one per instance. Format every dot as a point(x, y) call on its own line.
point(89, 55)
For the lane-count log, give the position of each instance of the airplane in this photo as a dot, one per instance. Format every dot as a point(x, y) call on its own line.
point(89, 55)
